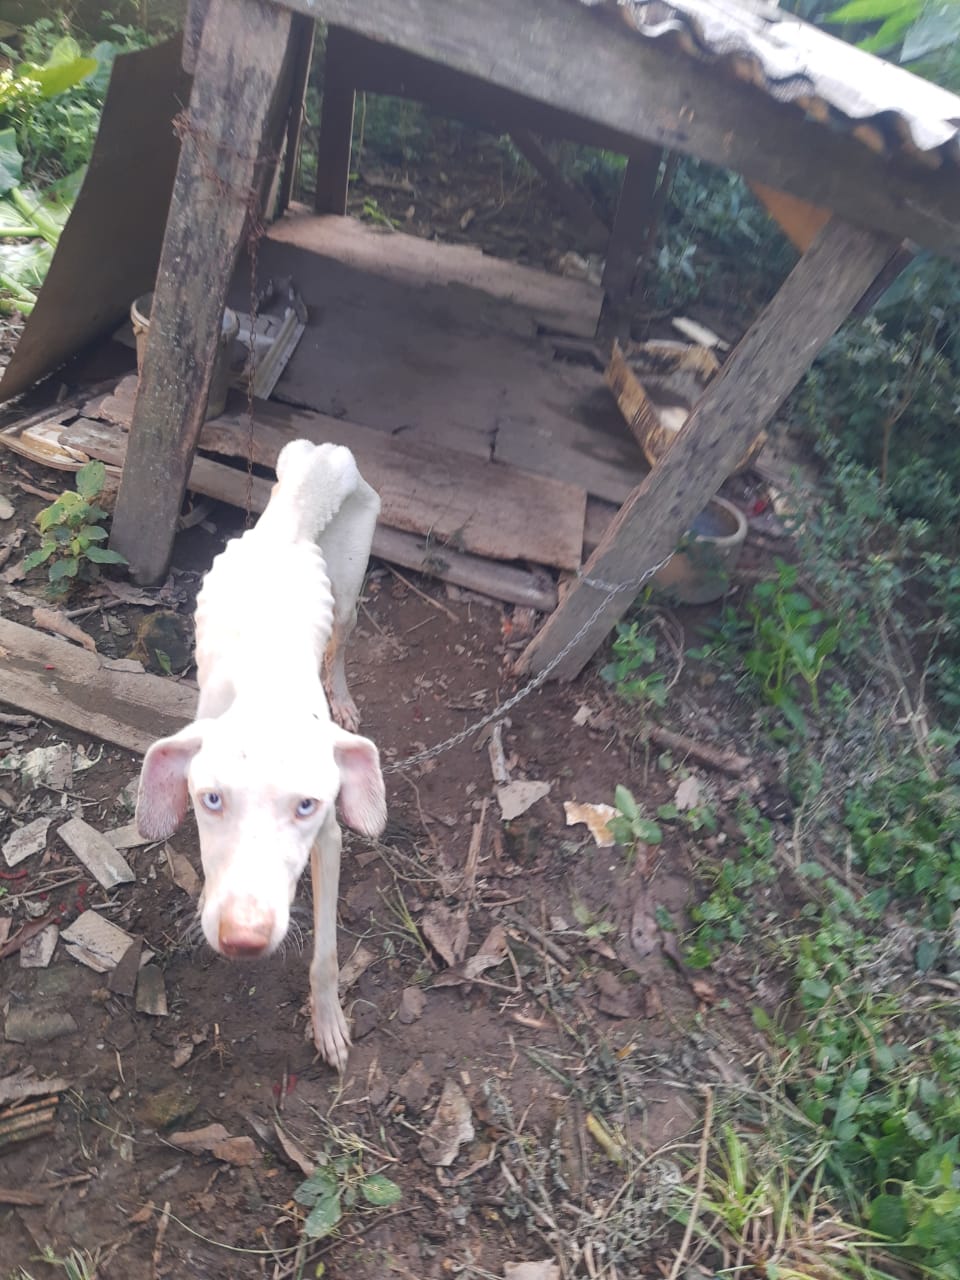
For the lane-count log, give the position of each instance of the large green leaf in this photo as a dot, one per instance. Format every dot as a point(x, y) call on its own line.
point(11, 161)
point(65, 68)
point(26, 264)
point(936, 29)
point(323, 1217)
point(868, 10)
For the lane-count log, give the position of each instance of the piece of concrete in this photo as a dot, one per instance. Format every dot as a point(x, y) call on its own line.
point(108, 867)
point(37, 952)
point(27, 1024)
point(96, 942)
point(26, 840)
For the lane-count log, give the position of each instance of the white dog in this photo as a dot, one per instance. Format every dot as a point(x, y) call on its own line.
point(264, 763)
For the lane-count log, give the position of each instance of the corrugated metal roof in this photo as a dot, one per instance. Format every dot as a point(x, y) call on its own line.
point(887, 107)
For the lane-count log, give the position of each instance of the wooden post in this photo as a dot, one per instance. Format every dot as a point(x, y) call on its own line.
point(302, 35)
point(220, 172)
point(630, 227)
point(336, 126)
point(765, 367)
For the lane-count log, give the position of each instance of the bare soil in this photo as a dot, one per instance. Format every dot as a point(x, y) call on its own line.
point(586, 1027)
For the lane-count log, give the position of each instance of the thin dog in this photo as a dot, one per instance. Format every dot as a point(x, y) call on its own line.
point(264, 763)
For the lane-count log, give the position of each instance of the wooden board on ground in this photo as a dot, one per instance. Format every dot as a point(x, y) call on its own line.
point(227, 484)
point(69, 685)
point(481, 507)
point(444, 365)
point(555, 302)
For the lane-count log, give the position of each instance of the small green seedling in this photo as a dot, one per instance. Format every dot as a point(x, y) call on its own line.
point(633, 650)
point(70, 534)
point(335, 1186)
point(631, 826)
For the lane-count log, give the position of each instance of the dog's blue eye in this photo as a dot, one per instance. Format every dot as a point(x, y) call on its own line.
point(305, 808)
point(212, 800)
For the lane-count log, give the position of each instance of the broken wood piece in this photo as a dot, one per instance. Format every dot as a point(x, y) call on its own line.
point(123, 977)
point(26, 840)
point(57, 622)
point(21, 1085)
point(61, 682)
point(37, 952)
point(105, 863)
point(21, 1126)
point(10, 1195)
point(501, 581)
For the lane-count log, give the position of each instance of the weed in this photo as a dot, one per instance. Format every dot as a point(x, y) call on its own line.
point(630, 827)
point(69, 539)
point(340, 1183)
point(634, 650)
point(75, 1265)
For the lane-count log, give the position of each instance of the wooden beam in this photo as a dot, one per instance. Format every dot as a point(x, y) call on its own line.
point(635, 88)
point(335, 139)
point(302, 34)
point(765, 367)
point(630, 230)
point(220, 172)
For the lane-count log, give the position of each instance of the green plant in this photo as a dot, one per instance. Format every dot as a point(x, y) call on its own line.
point(633, 650)
point(69, 538)
point(726, 912)
point(922, 34)
point(338, 1185)
point(630, 826)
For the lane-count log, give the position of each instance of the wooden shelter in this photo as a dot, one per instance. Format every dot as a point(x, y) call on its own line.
point(749, 88)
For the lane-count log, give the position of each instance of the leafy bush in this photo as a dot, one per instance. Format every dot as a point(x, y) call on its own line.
point(70, 539)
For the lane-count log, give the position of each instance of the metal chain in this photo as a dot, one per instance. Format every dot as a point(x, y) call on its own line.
point(610, 590)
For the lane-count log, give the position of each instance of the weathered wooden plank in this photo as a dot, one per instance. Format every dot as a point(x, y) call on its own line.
point(760, 373)
point(335, 139)
point(556, 302)
point(630, 230)
point(215, 480)
point(639, 89)
point(220, 173)
point(484, 508)
point(62, 682)
point(302, 34)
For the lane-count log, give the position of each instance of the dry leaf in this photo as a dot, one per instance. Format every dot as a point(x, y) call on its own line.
point(595, 816)
point(492, 951)
point(182, 1055)
point(687, 794)
point(60, 624)
point(412, 1004)
point(182, 873)
point(215, 1139)
point(295, 1153)
point(357, 964)
point(450, 1127)
point(446, 931)
point(615, 1000)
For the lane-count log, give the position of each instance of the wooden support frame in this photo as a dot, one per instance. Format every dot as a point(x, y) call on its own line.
point(219, 177)
point(829, 279)
point(335, 140)
point(631, 229)
point(302, 36)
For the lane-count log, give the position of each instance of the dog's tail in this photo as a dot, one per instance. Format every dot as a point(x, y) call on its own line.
point(313, 482)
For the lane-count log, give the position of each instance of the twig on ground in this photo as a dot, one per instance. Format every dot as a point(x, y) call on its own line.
point(724, 761)
point(552, 948)
point(423, 595)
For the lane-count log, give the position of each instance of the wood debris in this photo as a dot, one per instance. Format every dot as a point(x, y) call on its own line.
point(26, 840)
point(96, 942)
point(97, 854)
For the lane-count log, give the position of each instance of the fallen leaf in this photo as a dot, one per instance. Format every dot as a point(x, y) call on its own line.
point(687, 794)
point(182, 1055)
point(412, 1004)
point(358, 963)
point(447, 931)
point(57, 622)
point(645, 935)
point(182, 873)
point(450, 1127)
point(582, 715)
point(595, 817)
point(492, 951)
point(615, 999)
point(414, 1086)
point(295, 1153)
point(215, 1139)
point(517, 797)
point(6, 508)
point(531, 1271)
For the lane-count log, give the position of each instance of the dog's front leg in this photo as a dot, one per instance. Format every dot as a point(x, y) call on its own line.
point(330, 1032)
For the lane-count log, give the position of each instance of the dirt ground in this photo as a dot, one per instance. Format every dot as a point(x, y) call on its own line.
point(580, 1054)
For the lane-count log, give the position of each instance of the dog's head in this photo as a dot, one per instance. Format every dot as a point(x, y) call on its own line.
point(260, 804)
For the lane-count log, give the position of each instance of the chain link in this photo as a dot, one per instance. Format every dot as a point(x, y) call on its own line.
point(610, 590)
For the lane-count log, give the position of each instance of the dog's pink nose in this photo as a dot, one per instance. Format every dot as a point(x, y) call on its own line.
point(245, 928)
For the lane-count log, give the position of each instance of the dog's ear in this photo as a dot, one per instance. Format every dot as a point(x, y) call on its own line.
point(162, 797)
point(363, 798)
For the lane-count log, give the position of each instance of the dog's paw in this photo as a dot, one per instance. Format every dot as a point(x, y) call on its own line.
point(331, 1035)
point(344, 711)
